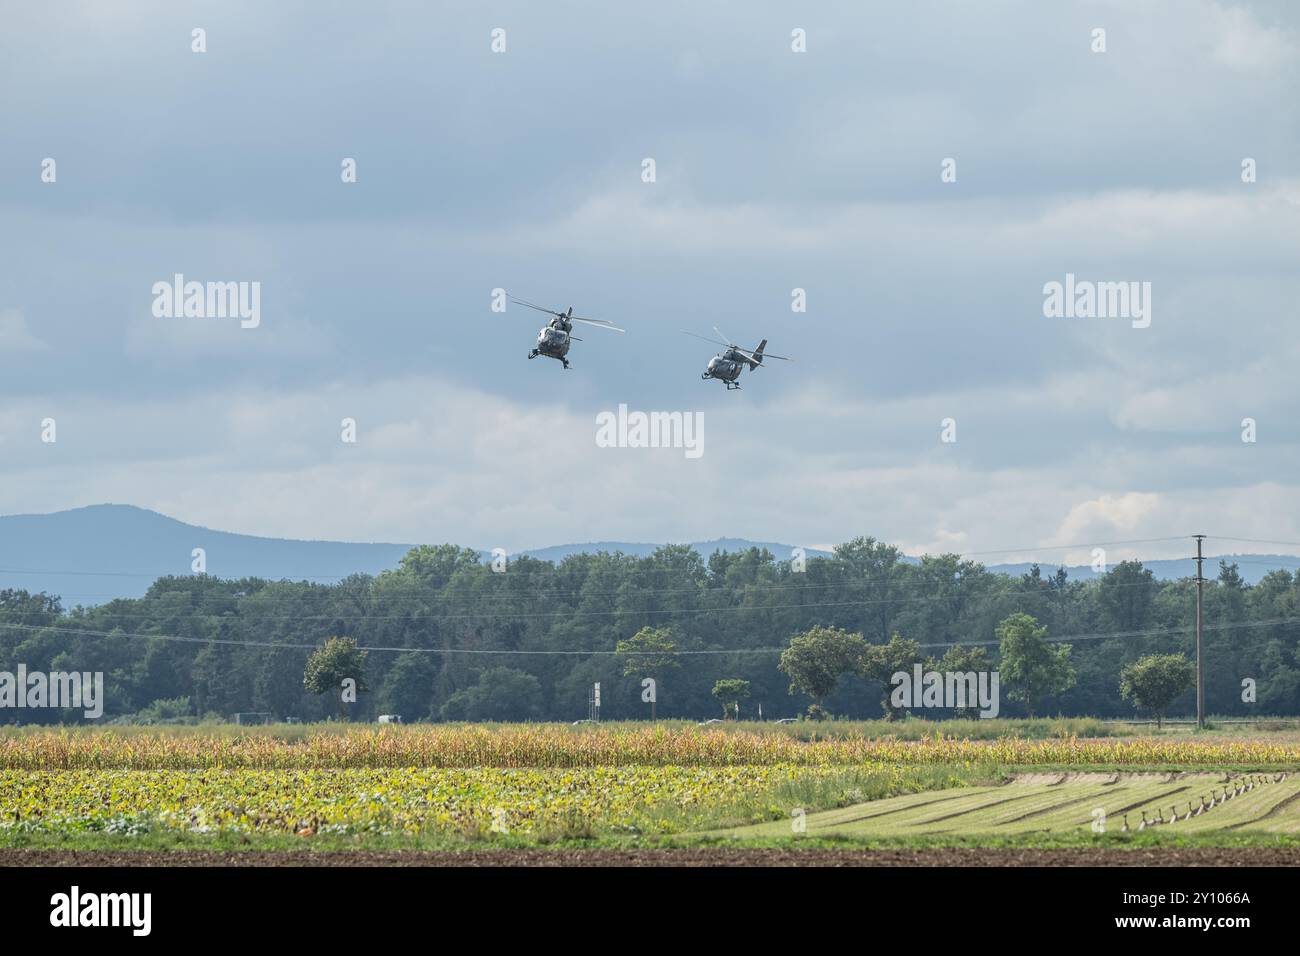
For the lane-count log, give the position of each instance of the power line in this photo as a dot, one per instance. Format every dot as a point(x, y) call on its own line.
point(1072, 638)
point(1289, 562)
point(701, 589)
point(422, 650)
point(417, 617)
point(558, 568)
point(1075, 547)
point(1285, 544)
point(1237, 559)
point(633, 612)
point(1149, 632)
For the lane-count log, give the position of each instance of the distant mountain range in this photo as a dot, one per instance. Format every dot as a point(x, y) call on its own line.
point(92, 555)
point(558, 552)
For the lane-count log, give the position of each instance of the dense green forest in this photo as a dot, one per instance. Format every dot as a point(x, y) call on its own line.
point(452, 639)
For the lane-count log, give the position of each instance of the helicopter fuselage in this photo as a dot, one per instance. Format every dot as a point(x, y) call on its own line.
point(726, 367)
point(556, 338)
point(554, 341)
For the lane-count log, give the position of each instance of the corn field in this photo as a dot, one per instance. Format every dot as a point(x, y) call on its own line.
point(555, 746)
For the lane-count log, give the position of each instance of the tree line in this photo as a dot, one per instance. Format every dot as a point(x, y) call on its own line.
point(449, 638)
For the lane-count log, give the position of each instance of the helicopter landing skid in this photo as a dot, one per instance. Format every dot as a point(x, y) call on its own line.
point(534, 353)
point(733, 386)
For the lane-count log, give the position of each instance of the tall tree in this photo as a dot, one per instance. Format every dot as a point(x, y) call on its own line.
point(1126, 594)
point(648, 653)
point(1152, 682)
point(880, 662)
point(730, 692)
point(963, 659)
point(817, 659)
point(330, 665)
point(1032, 667)
point(502, 693)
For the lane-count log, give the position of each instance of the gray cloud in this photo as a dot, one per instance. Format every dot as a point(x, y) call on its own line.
point(776, 171)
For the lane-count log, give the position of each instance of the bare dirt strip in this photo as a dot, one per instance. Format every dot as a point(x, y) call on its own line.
point(695, 856)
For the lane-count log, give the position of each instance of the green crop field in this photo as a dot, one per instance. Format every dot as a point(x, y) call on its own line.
point(478, 786)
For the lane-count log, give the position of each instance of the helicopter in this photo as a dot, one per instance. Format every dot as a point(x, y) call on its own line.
point(726, 366)
point(554, 340)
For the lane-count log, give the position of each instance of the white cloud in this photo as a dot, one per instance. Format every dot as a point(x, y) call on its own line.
point(436, 462)
point(1108, 516)
point(1244, 44)
point(15, 336)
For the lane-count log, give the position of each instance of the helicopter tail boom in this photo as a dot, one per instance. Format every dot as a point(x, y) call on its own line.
point(756, 357)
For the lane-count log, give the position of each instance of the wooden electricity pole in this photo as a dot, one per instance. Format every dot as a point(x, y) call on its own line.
point(1200, 669)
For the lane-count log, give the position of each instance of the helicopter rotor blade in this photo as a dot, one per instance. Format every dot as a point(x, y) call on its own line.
point(598, 323)
point(766, 355)
point(723, 335)
point(525, 302)
point(705, 338)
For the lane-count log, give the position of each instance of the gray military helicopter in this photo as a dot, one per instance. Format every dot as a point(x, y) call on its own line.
point(726, 366)
point(554, 340)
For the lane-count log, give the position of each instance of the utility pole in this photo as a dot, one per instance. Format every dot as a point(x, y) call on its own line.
point(1200, 670)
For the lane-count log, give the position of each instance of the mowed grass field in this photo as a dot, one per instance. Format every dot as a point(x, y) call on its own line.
point(341, 787)
point(1175, 803)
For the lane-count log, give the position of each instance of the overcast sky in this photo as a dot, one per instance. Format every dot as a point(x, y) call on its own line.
point(775, 170)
